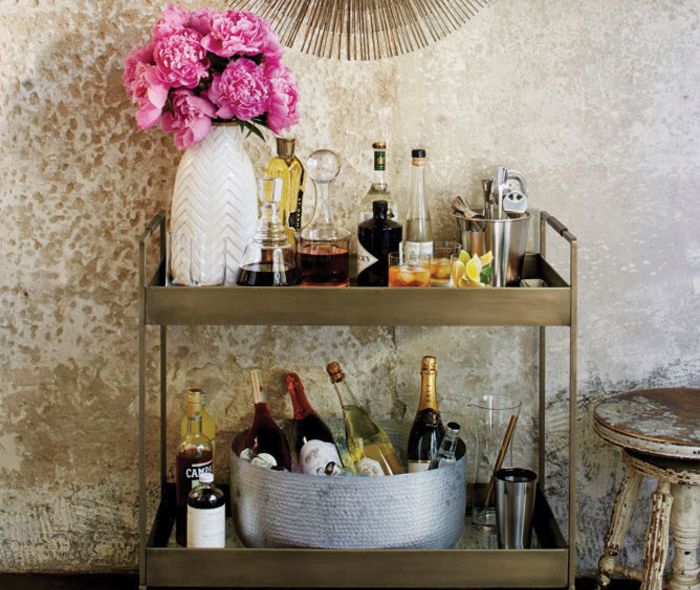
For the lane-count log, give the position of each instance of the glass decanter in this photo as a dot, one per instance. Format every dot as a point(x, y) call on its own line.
point(322, 247)
point(268, 260)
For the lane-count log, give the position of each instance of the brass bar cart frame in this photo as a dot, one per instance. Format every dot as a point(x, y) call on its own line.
point(550, 565)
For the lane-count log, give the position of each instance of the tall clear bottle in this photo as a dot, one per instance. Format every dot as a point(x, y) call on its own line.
point(194, 457)
point(197, 398)
point(427, 430)
point(418, 234)
point(286, 166)
point(370, 448)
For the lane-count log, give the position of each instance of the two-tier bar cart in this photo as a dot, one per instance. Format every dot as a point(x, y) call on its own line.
point(550, 565)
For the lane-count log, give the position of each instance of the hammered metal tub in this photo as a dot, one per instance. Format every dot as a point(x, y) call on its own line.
point(417, 510)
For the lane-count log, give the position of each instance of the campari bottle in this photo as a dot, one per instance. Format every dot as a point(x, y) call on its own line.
point(313, 440)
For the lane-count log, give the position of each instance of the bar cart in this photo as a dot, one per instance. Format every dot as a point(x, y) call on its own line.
point(550, 565)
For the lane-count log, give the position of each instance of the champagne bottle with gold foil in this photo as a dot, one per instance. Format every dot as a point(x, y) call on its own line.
point(427, 430)
point(286, 165)
point(197, 399)
point(370, 448)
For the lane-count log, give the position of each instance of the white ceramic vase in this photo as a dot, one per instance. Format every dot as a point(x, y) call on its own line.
point(214, 209)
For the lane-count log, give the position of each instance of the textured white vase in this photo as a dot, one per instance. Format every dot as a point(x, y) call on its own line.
point(214, 209)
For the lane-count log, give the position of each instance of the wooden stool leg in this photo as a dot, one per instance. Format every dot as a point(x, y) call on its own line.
point(685, 530)
point(656, 545)
point(619, 524)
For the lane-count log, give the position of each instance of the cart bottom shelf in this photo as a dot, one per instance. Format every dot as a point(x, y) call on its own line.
point(475, 562)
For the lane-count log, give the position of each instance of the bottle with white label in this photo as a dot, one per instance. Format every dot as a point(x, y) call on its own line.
point(427, 430)
point(377, 237)
point(193, 459)
point(418, 235)
point(313, 440)
point(206, 514)
point(371, 450)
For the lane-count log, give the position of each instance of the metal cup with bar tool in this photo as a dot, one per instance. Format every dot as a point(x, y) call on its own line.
point(501, 227)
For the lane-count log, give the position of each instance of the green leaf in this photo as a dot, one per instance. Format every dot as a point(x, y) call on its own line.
point(251, 128)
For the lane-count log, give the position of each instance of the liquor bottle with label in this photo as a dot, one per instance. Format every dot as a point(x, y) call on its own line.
point(265, 437)
point(418, 235)
point(194, 457)
point(447, 453)
point(286, 165)
point(427, 430)
point(197, 398)
point(206, 514)
point(322, 246)
point(313, 440)
point(370, 448)
point(376, 239)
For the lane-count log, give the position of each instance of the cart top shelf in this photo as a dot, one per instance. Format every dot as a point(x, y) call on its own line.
point(364, 306)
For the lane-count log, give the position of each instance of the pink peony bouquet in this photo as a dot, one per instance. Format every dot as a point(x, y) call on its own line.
point(203, 66)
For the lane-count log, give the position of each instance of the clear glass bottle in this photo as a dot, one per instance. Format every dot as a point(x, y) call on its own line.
point(447, 453)
point(418, 235)
point(427, 430)
point(286, 166)
point(268, 260)
point(206, 515)
point(264, 436)
point(194, 457)
point(371, 450)
point(376, 239)
point(197, 398)
point(323, 247)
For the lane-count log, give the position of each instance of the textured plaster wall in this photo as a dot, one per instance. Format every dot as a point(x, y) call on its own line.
point(597, 103)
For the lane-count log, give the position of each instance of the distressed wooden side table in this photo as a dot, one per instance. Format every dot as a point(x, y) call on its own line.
point(659, 432)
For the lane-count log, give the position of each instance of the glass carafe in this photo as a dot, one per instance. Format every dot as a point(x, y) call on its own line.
point(322, 247)
point(268, 260)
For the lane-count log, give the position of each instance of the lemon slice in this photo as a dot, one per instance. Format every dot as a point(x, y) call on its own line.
point(487, 258)
point(473, 270)
point(457, 273)
point(464, 257)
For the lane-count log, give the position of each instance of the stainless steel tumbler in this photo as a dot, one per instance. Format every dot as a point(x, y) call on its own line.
point(515, 504)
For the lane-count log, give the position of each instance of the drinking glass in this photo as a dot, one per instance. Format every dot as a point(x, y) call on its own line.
point(493, 413)
point(402, 273)
point(441, 264)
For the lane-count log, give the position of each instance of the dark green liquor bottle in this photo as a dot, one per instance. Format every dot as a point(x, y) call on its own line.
point(376, 239)
point(427, 430)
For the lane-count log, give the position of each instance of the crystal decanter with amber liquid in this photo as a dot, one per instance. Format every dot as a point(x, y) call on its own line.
point(322, 246)
point(268, 260)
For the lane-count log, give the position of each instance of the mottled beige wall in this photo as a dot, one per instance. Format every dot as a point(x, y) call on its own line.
point(597, 103)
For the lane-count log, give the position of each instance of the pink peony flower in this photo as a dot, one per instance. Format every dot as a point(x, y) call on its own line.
point(240, 33)
point(141, 54)
point(172, 20)
point(180, 58)
point(282, 110)
point(190, 119)
point(200, 20)
point(147, 90)
point(241, 90)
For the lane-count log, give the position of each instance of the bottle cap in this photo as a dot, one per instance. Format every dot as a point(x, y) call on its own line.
point(418, 153)
point(285, 146)
point(379, 209)
point(206, 477)
point(379, 145)
point(335, 372)
point(454, 427)
point(428, 363)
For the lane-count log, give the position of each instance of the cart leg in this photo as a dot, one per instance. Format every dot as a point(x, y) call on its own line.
point(656, 545)
point(619, 524)
point(685, 530)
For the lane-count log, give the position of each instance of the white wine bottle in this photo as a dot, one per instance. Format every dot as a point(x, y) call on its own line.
point(370, 449)
point(418, 234)
point(197, 399)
